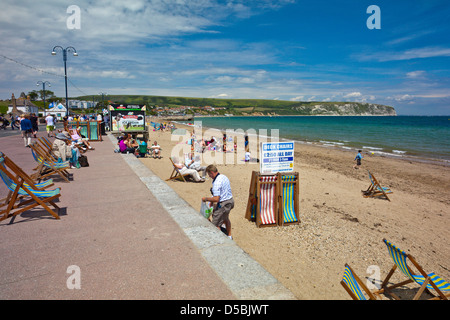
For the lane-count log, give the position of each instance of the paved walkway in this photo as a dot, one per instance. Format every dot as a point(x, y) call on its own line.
point(126, 234)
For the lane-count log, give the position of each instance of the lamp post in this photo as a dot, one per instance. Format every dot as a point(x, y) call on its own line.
point(103, 96)
point(64, 51)
point(43, 89)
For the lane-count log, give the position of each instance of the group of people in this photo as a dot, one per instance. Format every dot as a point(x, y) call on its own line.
point(129, 144)
point(68, 146)
point(27, 123)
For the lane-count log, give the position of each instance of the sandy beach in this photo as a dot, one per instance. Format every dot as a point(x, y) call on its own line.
point(338, 225)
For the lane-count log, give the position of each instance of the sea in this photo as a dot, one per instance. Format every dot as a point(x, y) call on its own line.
point(412, 137)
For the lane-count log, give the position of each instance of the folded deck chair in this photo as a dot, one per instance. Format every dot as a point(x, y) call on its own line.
point(289, 212)
point(268, 202)
point(375, 189)
point(353, 285)
point(47, 165)
point(176, 174)
point(426, 281)
point(250, 212)
point(24, 194)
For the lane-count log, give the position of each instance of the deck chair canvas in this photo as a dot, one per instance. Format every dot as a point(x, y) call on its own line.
point(176, 174)
point(289, 211)
point(375, 189)
point(267, 206)
point(426, 282)
point(47, 165)
point(24, 194)
point(353, 285)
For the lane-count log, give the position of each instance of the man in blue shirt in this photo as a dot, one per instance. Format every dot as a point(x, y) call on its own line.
point(222, 195)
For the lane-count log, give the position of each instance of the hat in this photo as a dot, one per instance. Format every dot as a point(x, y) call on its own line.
point(67, 135)
point(61, 136)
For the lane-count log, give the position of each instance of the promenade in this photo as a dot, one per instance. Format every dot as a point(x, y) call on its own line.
point(127, 233)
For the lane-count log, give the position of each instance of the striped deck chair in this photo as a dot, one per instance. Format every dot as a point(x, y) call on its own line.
point(353, 284)
point(268, 202)
point(23, 193)
point(426, 281)
point(47, 165)
point(176, 174)
point(375, 189)
point(288, 196)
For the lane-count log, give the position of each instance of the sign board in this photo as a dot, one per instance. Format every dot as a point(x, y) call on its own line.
point(127, 117)
point(276, 157)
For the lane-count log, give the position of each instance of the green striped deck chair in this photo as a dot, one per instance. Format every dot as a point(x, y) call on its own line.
point(47, 165)
point(353, 284)
point(375, 189)
point(426, 281)
point(23, 193)
point(288, 196)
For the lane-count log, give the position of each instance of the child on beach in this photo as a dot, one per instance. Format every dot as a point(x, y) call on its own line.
point(358, 160)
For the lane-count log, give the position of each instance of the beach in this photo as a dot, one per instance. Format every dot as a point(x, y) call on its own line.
point(337, 224)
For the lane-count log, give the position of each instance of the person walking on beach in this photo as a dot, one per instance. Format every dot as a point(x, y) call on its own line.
point(222, 196)
point(34, 123)
point(358, 160)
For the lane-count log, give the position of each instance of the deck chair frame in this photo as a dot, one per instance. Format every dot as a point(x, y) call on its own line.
point(47, 165)
point(23, 193)
point(400, 259)
point(353, 285)
point(375, 189)
point(250, 212)
point(288, 198)
point(176, 174)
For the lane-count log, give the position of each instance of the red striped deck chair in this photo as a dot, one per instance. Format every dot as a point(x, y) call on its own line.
point(267, 212)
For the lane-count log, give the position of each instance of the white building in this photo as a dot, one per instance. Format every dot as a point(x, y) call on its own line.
point(79, 104)
point(58, 110)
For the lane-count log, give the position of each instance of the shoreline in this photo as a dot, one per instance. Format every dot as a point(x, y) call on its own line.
point(329, 144)
point(337, 225)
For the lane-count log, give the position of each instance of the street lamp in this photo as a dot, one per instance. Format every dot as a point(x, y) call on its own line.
point(43, 89)
point(103, 96)
point(64, 51)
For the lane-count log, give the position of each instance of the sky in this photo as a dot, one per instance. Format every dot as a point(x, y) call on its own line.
point(396, 53)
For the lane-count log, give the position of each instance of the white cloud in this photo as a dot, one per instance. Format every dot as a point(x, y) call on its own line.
point(353, 95)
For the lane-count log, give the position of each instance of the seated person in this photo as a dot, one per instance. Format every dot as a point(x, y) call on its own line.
point(184, 170)
point(125, 145)
point(143, 151)
point(63, 151)
point(194, 162)
point(156, 150)
point(78, 139)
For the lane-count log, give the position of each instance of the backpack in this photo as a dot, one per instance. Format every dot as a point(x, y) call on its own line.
point(83, 160)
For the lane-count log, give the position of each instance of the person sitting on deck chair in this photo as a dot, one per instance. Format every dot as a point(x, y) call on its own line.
point(79, 140)
point(184, 170)
point(194, 162)
point(62, 149)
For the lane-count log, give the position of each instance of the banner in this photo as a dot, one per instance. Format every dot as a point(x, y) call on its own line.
point(276, 157)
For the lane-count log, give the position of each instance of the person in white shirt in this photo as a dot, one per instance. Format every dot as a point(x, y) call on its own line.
point(222, 196)
point(50, 125)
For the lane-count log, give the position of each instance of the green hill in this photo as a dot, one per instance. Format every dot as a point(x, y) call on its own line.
point(255, 106)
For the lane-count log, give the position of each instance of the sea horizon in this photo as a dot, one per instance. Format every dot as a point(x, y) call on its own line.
point(413, 137)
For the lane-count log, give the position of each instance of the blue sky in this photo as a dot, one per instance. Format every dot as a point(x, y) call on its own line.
point(310, 50)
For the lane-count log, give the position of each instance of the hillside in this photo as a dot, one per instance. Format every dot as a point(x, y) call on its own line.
point(253, 106)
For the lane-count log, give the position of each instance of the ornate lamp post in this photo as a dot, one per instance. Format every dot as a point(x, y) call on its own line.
point(64, 51)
